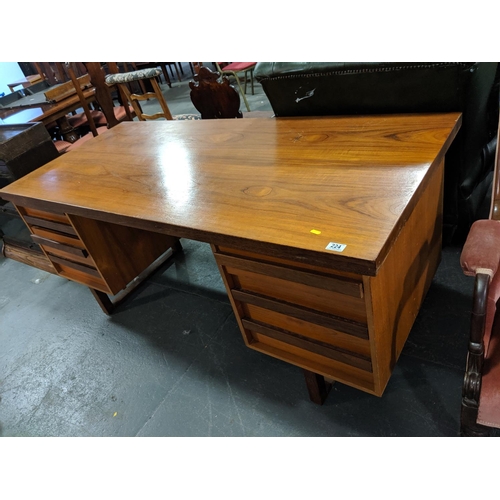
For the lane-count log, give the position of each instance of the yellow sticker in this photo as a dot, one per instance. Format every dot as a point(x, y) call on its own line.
point(315, 231)
point(115, 413)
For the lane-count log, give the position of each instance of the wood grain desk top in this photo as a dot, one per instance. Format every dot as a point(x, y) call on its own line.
point(286, 187)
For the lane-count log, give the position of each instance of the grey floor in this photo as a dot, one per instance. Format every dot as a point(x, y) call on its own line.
point(171, 360)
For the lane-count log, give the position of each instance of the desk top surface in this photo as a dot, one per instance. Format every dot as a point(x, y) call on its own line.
point(287, 186)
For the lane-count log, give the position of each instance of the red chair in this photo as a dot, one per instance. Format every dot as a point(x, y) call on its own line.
point(238, 67)
point(480, 257)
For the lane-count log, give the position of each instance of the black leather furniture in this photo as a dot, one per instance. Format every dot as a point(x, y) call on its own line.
point(329, 88)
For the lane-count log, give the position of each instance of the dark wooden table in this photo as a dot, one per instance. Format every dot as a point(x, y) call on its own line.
point(27, 81)
point(326, 231)
point(36, 108)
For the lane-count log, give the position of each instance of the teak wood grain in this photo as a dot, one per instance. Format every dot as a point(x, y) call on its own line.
point(260, 184)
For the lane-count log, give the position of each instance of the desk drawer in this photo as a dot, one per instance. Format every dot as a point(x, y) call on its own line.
point(42, 214)
point(356, 373)
point(102, 255)
point(81, 273)
point(323, 292)
point(306, 315)
point(53, 221)
point(65, 239)
point(64, 250)
point(63, 247)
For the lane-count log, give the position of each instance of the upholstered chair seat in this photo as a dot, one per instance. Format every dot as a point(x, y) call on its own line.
point(481, 256)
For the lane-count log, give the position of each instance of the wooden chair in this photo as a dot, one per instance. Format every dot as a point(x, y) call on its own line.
point(113, 114)
point(87, 119)
point(176, 66)
point(91, 117)
point(214, 98)
point(121, 80)
point(480, 258)
point(238, 67)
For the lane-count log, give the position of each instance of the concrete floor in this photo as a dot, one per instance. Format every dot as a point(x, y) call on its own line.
point(171, 360)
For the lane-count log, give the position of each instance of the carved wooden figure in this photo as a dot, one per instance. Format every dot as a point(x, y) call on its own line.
point(212, 97)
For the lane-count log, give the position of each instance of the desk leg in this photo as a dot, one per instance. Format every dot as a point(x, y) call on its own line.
point(317, 386)
point(104, 301)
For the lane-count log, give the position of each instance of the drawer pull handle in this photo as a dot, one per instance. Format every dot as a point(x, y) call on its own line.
point(59, 246)
point(56, 226)
point(78, 267)
point(303, 343)
point(338, 323)
point(345, 286)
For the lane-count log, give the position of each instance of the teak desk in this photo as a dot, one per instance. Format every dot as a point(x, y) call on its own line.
point(326, 231)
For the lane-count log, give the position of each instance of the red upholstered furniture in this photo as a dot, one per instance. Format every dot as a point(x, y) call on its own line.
point(480, 257)
point(238, 67)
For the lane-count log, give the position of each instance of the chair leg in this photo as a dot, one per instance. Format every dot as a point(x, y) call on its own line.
point(161, 100)
point(177, 71)
point(241, 91)
point(165, 75)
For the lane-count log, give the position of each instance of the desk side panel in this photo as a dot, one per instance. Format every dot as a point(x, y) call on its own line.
point(120, 253)
point(395, 295)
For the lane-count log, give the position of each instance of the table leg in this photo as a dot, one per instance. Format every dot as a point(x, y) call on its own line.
point(317, 386)
point(103, 300)
point(67, 131)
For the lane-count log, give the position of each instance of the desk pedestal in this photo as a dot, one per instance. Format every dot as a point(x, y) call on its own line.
point(343, 326)
point(109, 258)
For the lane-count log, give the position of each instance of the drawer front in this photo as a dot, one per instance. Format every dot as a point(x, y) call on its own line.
point(318, 329)
point(65, 239)
point(279, 346)
point(307, 316)
point(65, 250)
point(70, 252)
point(81, 273)
point(53, 221)
point(332, 295)
point(42, 214)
